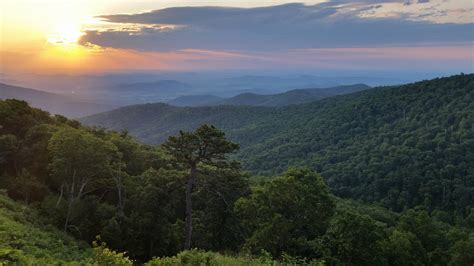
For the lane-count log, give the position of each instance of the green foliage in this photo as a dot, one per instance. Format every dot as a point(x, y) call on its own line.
point(196, 257)
point(216, 223)
point(152, 224)
point(26, 240)
point(354, 239)
point(297, 205)
point(8, 147)
point(193, 151)
point(80, 162)
point(461, 252)
point(17, 117)
point(105, 256)
point(206, 145)
point(404, 248)
point(27, 188)
point(78, 156)
point(193, 257)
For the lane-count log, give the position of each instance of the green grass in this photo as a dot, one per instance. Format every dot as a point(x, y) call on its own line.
point(25, 240)
point(196, 257)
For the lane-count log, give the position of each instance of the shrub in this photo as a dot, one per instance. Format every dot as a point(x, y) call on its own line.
point(105, 256)
point(193, 257)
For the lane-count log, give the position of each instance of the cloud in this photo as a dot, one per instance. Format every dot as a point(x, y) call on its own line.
point(290, 26)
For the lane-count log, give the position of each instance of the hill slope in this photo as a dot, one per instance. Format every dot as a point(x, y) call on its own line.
point(297, 96)
point(291, 97)
point(54, 103)
point(401, 146)
point(25, 241)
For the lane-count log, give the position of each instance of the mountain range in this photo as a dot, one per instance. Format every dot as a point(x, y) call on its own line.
point(297, 96)
point(395, 141)
point(96, 100)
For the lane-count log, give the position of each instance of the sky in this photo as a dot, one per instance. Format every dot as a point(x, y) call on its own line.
point(99, 36)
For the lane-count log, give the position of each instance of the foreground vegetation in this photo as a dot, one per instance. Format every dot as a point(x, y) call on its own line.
point(154, 201)
point(25, 239)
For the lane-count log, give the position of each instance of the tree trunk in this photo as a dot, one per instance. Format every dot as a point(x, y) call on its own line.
point(189, 208)
point(117, 176)
point(68, 214)
point(60, 196)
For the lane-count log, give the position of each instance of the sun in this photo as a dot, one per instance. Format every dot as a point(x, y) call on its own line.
point(63, 44)
point(65, 34)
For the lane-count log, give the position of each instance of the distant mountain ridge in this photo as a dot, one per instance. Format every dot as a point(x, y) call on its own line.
point(296, 96)
point(195, 100)
point(54, 103)
point(164, 86)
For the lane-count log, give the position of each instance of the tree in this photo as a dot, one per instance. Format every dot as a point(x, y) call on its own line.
point(78, 161)
point(16, 117)
point(287, 214)
point(216, 225)
point(8, 148)
point(419, 223)
point(151, 224)
point(461, 252)
point(355, 239)
point(207, 145)
point(27, 188)
point(404, 248)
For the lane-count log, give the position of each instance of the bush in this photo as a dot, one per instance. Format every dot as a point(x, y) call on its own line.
point(196, 257)
point(105, 256)
point(193, 257)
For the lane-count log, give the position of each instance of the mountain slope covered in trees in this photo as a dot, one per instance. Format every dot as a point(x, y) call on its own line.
point(401, 146)
point(90, 182)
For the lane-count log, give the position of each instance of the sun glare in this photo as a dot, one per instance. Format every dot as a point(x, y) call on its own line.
point(65, 35)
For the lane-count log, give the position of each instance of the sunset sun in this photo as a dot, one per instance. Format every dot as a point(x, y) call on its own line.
point(65, 34)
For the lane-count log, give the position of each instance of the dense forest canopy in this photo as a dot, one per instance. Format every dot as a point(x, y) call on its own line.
point(407, 148)
point(402, 146)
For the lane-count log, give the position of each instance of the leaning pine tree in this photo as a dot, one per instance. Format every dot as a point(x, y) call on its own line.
point(207, 146)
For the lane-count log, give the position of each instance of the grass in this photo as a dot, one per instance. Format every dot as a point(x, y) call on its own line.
point(25, 240)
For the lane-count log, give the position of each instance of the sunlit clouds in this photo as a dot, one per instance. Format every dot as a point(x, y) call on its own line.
point(52, 36)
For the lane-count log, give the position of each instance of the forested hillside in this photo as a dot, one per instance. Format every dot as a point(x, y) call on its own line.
point(89, 182)
point(402, 146)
